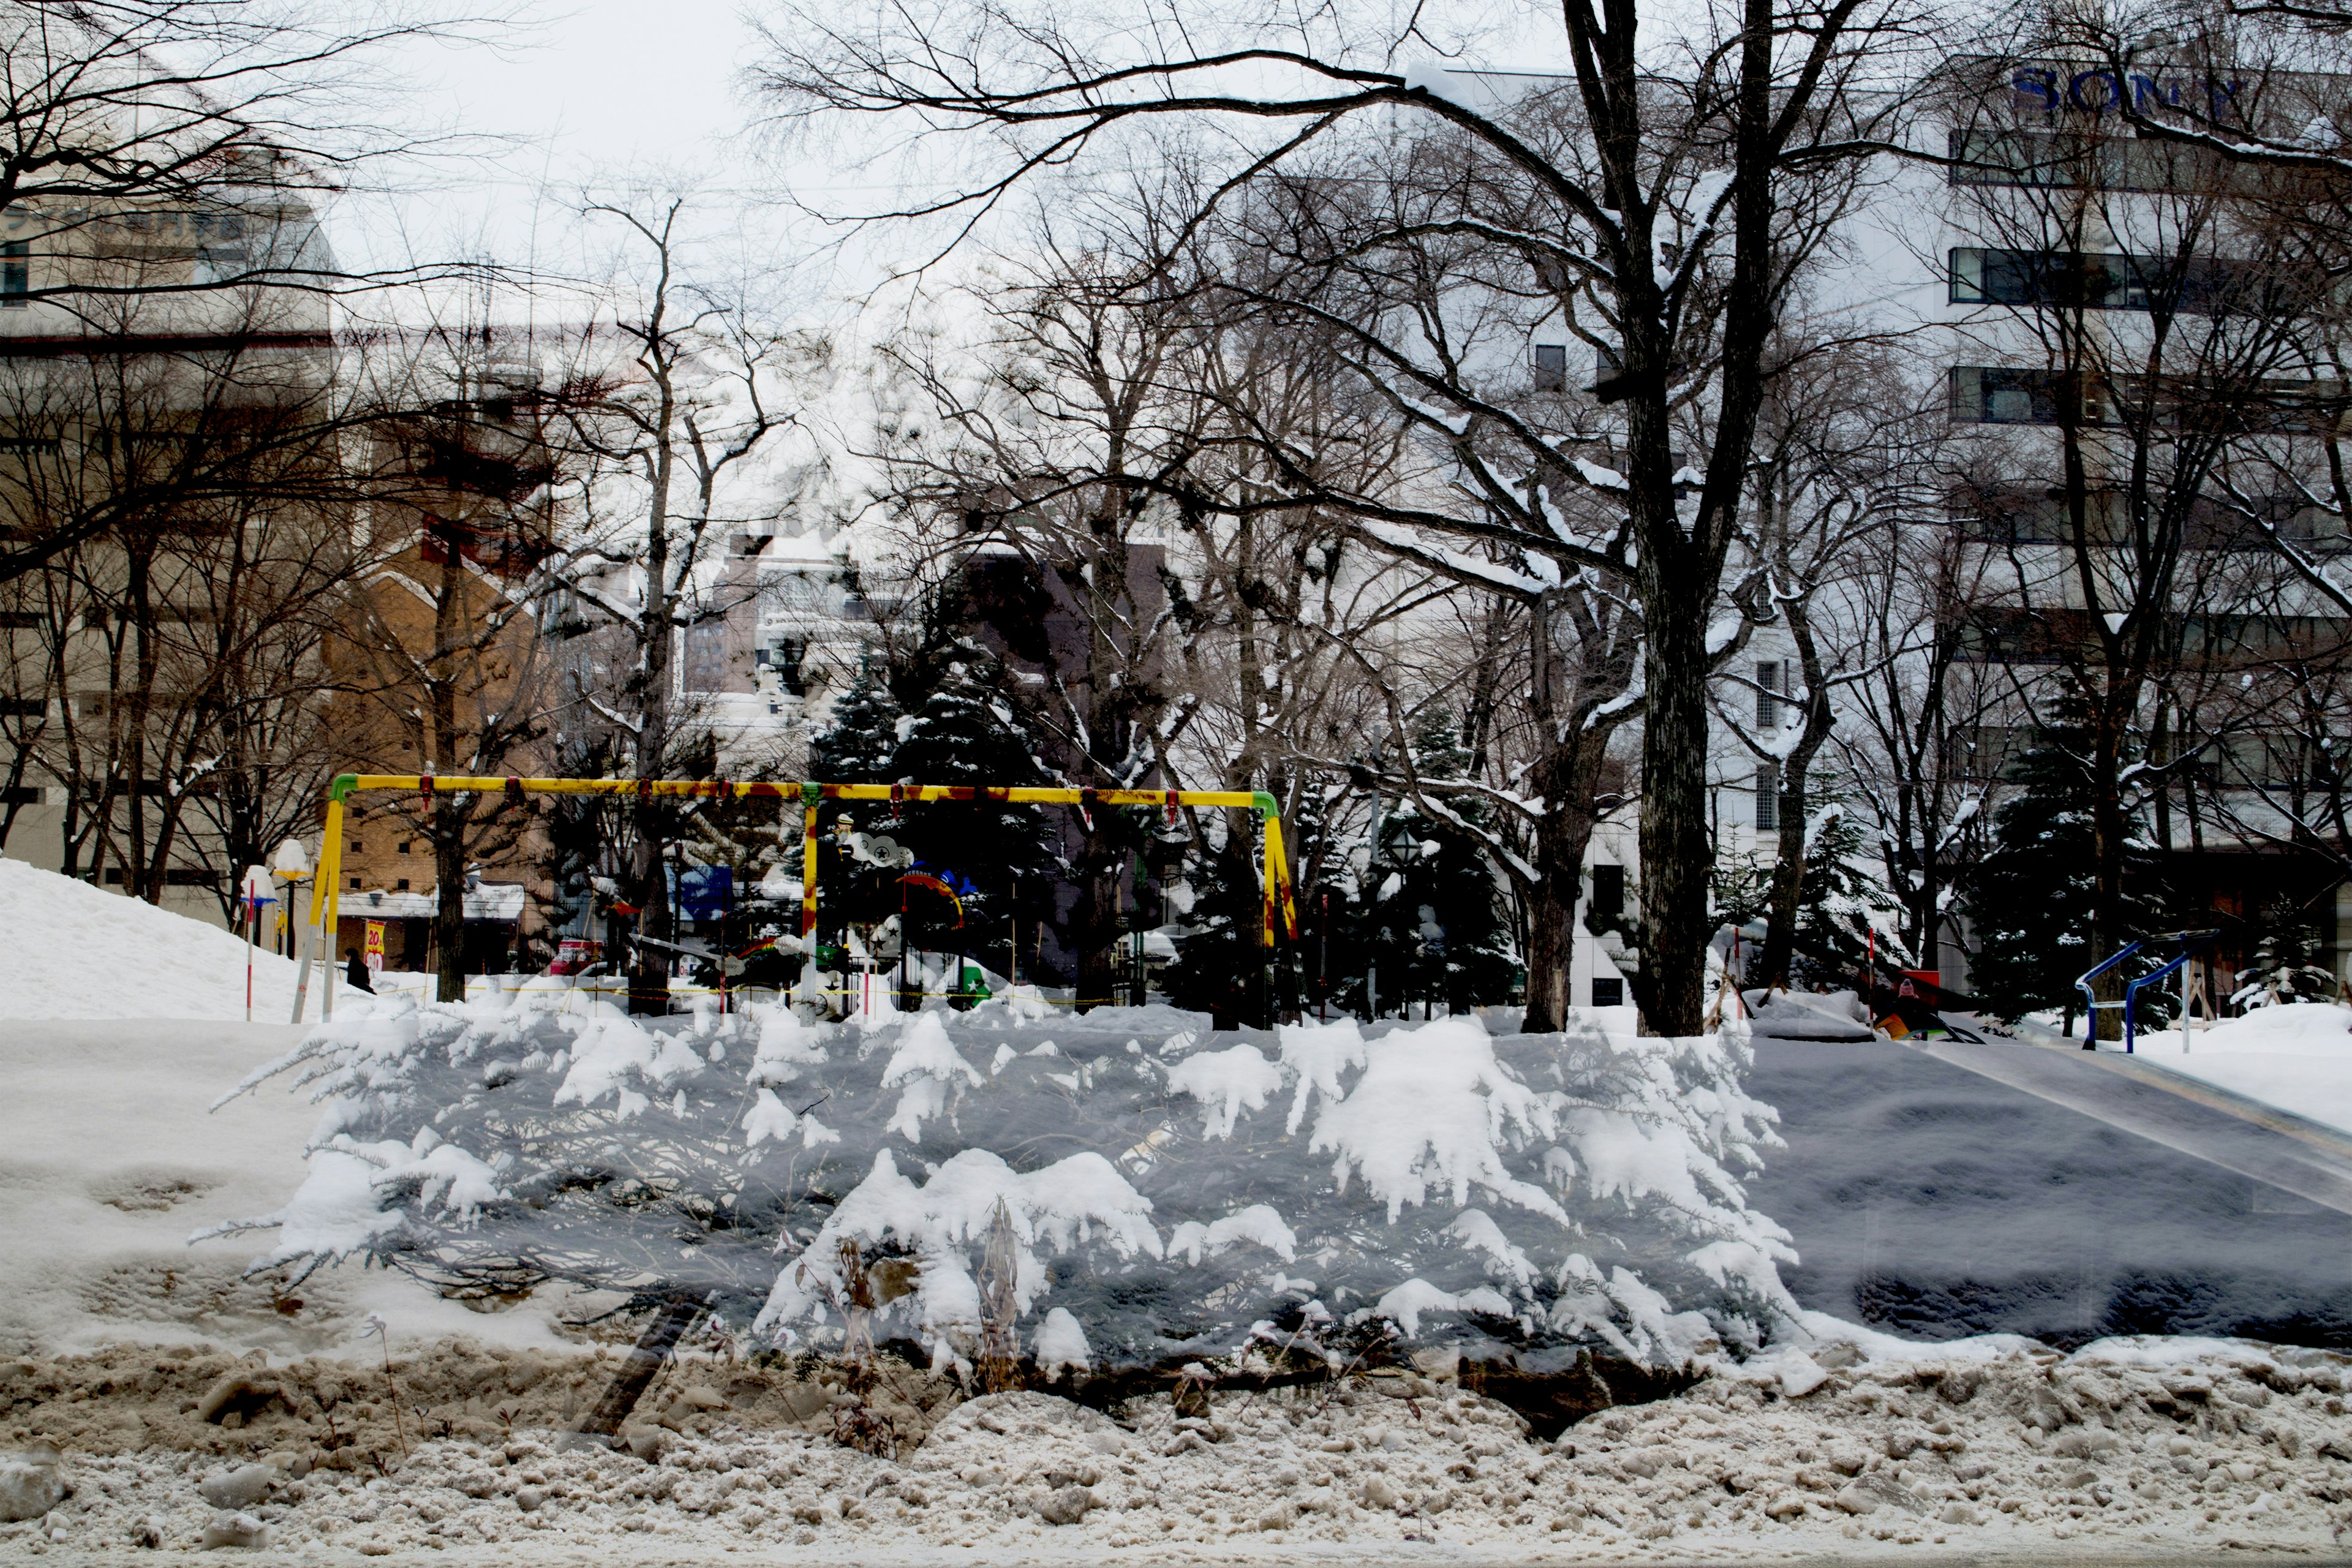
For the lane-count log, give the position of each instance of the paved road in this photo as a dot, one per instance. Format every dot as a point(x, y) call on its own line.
point(2029, 1192)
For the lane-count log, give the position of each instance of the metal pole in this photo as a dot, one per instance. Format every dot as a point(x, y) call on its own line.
point(810, 798)
point(1265, 823)
point(302, 935)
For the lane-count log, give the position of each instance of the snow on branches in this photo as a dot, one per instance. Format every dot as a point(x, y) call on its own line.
point(1121, 1203)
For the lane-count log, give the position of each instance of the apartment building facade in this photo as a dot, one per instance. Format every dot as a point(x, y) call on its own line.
point(168, 416)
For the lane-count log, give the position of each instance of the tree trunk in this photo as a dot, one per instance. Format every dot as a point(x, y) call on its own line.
point(649, 966)
point(1788, 880)
point(1096, 919)
point(641, 1365)
point(448, 826)
point(2109, 927)
point(1676, 919)
point(1567, 783)
point(1551, 947)
point(1796, 805)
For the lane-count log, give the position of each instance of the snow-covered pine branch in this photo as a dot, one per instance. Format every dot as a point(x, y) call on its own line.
point(1521, 1194)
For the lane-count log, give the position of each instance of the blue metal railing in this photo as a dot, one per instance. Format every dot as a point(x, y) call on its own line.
point(2191, 944)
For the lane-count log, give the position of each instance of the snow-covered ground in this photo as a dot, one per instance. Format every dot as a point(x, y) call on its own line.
point(73, 951)
point(2137, 1449)
point(2296, 1055)
point(108, 1160)
point(180, 1400)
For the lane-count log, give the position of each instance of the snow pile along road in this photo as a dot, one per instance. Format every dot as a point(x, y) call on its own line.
point(76, 952)
point(2296, 1055)
point(2144, 1448)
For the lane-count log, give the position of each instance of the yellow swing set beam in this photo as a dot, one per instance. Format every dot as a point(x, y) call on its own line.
point(1276, 896)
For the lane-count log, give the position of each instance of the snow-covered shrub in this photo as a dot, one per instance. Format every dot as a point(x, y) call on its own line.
point(1138, 1188)
point(2287, 964)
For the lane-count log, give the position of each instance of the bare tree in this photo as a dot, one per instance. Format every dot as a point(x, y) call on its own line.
point(1833, 488)
point(205, 488)
point(439, 661)
point(675, 390)
point(1664, 211)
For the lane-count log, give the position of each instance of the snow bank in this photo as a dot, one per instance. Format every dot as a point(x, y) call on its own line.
point(1808, 1015)
point(2320, 1029)
point(2296, 1055)
point(1510, 1195)
point(76, 952)
point(2125, 1448)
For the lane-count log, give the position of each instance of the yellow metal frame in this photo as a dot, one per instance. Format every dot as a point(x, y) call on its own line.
point(325, 904)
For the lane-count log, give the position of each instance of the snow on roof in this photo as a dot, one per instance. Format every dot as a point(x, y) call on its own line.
point(484, 901)
point(802, 550)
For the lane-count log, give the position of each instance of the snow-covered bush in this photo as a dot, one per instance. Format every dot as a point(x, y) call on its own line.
point(1136, 1188)
point(2287, 964)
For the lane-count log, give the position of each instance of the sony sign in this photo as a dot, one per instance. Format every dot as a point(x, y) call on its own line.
point(2050, 90)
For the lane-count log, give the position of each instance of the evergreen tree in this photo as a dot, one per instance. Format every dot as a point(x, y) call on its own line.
point(1220, 965)
point(2287, 965)
point(2032, 897)
point(1429, 919)
point(1833, 939)
point(969, 733)
point(861, 737)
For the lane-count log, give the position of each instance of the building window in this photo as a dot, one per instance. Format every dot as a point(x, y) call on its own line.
point(1768, 798)
point(706, 657)
point(1771, 684)
point(1608, 992)
point(355, 884)
point(358, 847)
point(2020, 513)
point(791, 662)
point(1551, 367)
point(2097, 281)
point(2018, 394)
point(2001, 634)
point(401, 886)
point(2004, 395)
point(1608, 893)
point(15, 273)
point(2098, 160)
point(404, 845)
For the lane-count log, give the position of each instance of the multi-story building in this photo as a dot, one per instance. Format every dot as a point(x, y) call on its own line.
point(2135, 340)
point(789, 626)
point(168, 421)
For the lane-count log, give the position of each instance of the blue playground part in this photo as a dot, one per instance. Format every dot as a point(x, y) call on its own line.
point(2191, 944)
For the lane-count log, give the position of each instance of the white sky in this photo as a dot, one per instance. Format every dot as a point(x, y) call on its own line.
point(590, 98)
point(600, 84)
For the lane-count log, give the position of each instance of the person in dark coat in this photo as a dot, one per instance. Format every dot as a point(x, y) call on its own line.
point(355, 972)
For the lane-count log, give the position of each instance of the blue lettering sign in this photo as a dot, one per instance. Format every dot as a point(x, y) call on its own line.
point(2106, 94)
point(2041, 87)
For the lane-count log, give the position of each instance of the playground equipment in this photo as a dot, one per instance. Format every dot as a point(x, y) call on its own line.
point(1279, 909)
point(2191, 942)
